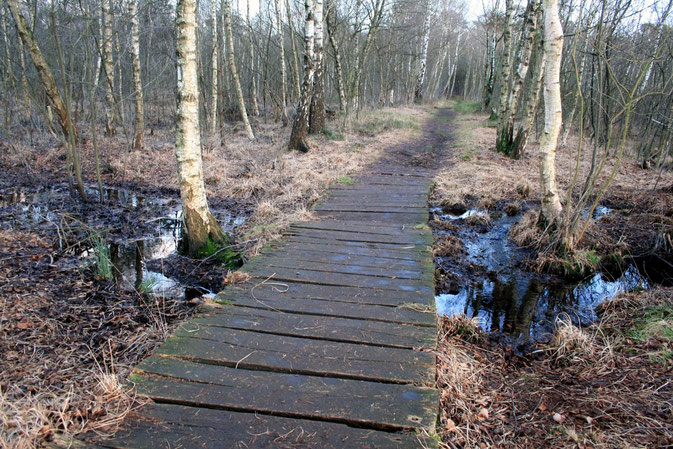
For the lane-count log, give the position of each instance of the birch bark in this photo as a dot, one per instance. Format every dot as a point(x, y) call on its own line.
point(553, 113)
point(234, 71)
point(201, 226)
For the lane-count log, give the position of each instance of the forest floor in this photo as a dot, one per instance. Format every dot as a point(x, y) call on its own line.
point(71, 327)
point(70, 332)
point(605, 383)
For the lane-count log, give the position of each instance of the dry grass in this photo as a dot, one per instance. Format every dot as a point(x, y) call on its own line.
point(279, 185)
point(100, 404)
point(447, 245)
point(605, 386)
point(476, 170)
point(570, 344)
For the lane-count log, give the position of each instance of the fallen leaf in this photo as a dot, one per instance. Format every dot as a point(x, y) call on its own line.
point(559, 418)
point(450, 426)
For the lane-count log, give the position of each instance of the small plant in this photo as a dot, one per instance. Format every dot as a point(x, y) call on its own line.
point(101, 257)
point(147, 285)
point(467, 155)
point(346, 180)
point(333, 135)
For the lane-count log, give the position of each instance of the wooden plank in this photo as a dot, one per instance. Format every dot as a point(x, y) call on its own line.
point(352, 250)
point(274, 288)
point(298, 261)
point(282, 353)
point(398, 217)
point(406, 313)
point(320, 257)
point(168, 426)
point(363, 226)
point(360, 207)
point(317, 327)
point(420, 251)
point(402, 240)
point(339, 279)
point(362, 403)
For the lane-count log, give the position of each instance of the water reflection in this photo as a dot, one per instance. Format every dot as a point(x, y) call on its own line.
point(523, 305)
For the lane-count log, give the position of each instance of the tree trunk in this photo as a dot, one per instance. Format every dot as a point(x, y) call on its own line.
point(293, 44)
point(234, 71)
point(25, 90)
point(317, 111)
point(139, 126)
point(108, 68)
point(505, 139)
point(214, 74)
point(300, 124)
point(119, 99)
point(331, 30)
point(202, 228)
point(253, 82)
point(418, 92)
point(506, 61)
point(283, 87)
point(553, 112)
point(43, 70)
point(532, 102)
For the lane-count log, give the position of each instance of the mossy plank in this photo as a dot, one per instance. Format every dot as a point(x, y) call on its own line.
point(356, 402)
point(348, 330)
point(274, 352)
point(169, 426)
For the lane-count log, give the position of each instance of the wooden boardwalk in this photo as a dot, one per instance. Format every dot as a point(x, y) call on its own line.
point(326, 346)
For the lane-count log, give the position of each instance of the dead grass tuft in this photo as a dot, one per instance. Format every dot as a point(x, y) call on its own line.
point(572, 345)
point(447, 246)
point(526, 232)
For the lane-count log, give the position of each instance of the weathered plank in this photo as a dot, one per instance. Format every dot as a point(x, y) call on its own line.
point(286, 290)
point(353, 250)
point(282, 353)
point(356, 402)
point(339, 329)
point(351, 236)
point(406, 313)
point(168, 426)
point(298, 261)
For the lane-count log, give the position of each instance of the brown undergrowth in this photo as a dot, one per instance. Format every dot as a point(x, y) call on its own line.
point(606, 386)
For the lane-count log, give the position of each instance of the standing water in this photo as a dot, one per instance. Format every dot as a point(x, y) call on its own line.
point(508, 299)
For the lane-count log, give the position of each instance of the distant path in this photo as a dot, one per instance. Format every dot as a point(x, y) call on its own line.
point(326, 345)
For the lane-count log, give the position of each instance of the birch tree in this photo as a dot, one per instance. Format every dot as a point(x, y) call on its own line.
point(139, 124)
point(506, 59)
point(300, 123)
point(214, 69)
point(331, 31)
point(418, 92)
point(44, 72)
point(202, 228)
point(108, 69)
point(234, 71)
point(505, 139)
point(553, 113)
point(317, 111)
point(251, 50)
point(281, 44)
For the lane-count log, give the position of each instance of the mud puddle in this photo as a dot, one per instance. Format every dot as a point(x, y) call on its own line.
point(135, 237)
point(487, 279)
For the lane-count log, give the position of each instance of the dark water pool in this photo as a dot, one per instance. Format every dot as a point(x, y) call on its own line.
point(507, 299)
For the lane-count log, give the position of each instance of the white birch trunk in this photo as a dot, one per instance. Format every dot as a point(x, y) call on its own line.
point(553, 112)
point(200, 223)
point(139, 124)
point(418, 92)
point(317, 112)
point(253, 81)
point(234, 71)
point(300, 124)
point(283, 87)
point(214, 73)
point(108, 69)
